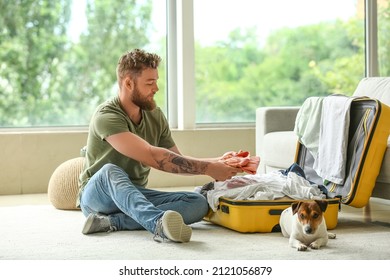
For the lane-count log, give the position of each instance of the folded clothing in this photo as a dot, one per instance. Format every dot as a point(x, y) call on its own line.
point(243, 160)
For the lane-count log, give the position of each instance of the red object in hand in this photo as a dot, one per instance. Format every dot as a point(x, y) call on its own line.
point(243, 160)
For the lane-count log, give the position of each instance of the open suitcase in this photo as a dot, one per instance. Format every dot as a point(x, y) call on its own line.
point(368, 133)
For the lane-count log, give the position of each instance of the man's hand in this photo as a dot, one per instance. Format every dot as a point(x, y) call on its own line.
point(220, 171)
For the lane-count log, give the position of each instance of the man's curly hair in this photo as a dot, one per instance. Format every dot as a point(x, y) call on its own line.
point(134, 62)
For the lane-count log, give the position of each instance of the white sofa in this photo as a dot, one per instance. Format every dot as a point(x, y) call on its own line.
point(276, 141)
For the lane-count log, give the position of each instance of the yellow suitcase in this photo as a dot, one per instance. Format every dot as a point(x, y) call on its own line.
point(261, 215)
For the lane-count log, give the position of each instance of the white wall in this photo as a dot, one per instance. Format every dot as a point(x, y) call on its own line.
point(29, 158)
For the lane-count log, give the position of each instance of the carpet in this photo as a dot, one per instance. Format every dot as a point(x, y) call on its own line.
point(42, 232)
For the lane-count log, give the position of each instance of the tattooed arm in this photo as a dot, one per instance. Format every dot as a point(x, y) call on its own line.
point(168, 160)
point(176, 150)
point(176, 163)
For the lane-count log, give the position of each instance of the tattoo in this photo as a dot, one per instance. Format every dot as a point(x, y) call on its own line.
point(178, 164)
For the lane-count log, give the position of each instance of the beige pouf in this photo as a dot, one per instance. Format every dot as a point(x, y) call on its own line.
point(63, 185)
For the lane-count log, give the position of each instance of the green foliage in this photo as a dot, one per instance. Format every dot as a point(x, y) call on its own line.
point(32, 42)
point(384, 40)
point(235, 78)
point(48, 79)
point(45, 78)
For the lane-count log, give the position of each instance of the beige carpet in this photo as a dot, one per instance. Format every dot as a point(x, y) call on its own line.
point(41, 232)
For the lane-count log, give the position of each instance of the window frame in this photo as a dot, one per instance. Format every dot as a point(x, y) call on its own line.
point(371, 38)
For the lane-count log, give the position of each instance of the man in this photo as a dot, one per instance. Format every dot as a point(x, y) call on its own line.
point(128, 135)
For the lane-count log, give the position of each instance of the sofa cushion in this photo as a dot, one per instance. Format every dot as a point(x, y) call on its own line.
point(279, 150)
point(375, 87)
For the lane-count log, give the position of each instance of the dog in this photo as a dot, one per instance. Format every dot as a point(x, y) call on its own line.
point(304, 224)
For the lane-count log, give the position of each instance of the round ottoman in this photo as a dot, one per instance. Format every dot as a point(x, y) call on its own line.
point(63, 184)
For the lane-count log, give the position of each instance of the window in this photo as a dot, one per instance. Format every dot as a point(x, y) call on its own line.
point(58, 58)
point(383, 10)
point(252, 53)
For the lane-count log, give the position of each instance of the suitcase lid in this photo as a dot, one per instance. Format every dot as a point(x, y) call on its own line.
point(367, 142)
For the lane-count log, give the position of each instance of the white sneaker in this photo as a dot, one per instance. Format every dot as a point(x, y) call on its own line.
point(172, 226)
point(97, 223)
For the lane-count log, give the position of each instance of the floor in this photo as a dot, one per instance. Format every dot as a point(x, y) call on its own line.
point(362, 234)
point(24, 199)
point(378, 209)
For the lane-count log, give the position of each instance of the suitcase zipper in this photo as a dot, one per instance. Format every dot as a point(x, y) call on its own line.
point(351, 195)
point(332, 187)
point(363, 132)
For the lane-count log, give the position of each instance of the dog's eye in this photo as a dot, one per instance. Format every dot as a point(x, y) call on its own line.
point(315, 215)
point(301, 216)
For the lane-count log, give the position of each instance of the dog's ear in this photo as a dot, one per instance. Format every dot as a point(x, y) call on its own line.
point(295, 206)
point(323, 204)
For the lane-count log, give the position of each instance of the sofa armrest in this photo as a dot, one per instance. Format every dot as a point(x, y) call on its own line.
point(271, 119)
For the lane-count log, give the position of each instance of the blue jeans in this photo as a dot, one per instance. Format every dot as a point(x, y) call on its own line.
point(131, 207)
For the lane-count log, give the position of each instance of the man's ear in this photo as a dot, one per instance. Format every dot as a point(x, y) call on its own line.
point(128, 83)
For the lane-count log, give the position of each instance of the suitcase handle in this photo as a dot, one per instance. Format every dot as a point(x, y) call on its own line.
point(225, 209)
point(275, 212)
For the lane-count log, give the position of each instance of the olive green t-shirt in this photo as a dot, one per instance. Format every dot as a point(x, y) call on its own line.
point(110, 119)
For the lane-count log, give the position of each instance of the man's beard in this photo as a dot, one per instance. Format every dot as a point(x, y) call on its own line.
point(142, 102)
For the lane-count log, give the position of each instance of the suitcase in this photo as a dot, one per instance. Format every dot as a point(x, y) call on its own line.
point(368, 134)
point(248, 216)
point(367, 142)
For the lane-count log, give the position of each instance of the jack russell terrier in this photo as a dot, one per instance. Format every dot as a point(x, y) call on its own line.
point(305, 225)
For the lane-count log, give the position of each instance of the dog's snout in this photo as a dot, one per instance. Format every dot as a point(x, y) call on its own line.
point(308, 230)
